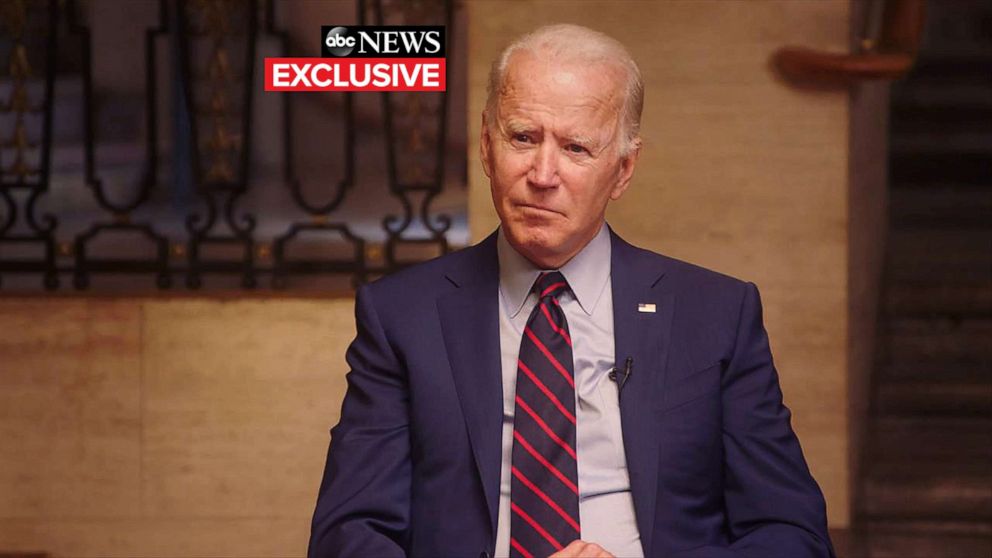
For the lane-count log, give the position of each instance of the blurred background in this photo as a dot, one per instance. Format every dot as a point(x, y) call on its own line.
point(179, 249)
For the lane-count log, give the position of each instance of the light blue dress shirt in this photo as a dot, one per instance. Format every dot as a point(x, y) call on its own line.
point(606, 507)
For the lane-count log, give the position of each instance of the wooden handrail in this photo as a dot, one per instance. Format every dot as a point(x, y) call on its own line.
point(889, 58)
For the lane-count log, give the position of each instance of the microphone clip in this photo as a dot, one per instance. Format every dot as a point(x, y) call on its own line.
point(620, 377)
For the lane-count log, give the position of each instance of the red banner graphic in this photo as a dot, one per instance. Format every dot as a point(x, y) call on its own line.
point(357, 74)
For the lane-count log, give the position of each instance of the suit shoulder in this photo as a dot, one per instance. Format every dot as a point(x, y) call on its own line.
point(709, 300)
point(708, 308)
point(694, 276)
point(427, 279)
point(683, 276)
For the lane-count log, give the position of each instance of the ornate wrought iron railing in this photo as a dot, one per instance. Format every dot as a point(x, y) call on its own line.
point(186, 198)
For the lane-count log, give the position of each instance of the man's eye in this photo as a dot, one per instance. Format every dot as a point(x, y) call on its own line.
point(521, 138)
point(575, 148)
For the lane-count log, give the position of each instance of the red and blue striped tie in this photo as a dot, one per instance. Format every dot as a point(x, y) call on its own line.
point(544, 493)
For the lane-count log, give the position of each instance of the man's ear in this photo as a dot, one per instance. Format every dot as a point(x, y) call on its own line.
point(626, 170)
point(485, 147)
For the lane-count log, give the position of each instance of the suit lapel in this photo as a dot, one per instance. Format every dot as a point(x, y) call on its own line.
point(644, 337)
point(470, 325)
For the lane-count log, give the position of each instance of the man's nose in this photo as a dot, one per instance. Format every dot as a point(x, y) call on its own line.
point(544, 166)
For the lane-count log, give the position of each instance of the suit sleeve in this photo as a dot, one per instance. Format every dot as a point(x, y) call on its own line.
point(363, 507)
point(774, 507)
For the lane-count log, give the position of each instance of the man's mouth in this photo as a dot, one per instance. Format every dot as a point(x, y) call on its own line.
point(539, 208)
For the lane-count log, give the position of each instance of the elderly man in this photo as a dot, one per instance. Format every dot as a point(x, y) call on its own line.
point(554, 390)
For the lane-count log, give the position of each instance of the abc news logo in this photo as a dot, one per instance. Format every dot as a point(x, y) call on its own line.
point(393, 41)
point(366, 58)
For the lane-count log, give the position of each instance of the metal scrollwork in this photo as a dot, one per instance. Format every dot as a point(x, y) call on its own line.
point(416, 126)
point(85, 263)
point(25, 148)
point(219, 100)
point(319, 213)
point(187, 203)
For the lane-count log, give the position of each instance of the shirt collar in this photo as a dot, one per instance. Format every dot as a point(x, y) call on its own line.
point(586, 272)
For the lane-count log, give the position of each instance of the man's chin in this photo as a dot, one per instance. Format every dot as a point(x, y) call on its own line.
point(538, 239)
point(540, 247)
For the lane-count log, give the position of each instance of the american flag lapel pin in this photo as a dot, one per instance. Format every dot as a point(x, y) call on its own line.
point(649, 308)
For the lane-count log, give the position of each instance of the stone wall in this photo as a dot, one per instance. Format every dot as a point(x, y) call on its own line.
point(166, 427)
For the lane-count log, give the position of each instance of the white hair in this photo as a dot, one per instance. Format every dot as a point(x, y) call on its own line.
point(573, 43)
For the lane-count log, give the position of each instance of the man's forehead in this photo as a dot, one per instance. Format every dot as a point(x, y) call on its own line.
point(524, 67)
point(567, 86)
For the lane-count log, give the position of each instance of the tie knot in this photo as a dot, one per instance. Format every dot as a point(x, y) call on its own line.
point(550, 284)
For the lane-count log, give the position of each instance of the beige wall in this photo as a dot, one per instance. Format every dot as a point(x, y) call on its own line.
point(740, 173)
point(184, 427)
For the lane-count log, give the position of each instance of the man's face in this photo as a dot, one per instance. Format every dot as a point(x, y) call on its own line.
point(552, 155)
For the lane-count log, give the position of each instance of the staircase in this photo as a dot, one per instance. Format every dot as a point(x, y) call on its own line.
point(927, 485)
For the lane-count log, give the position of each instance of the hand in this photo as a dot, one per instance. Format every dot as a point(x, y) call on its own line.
point(582, 549)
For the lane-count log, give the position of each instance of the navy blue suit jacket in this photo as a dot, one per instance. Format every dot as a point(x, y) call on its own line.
point(715, 469)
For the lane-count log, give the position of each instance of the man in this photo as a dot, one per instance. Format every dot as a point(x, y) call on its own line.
point(554, 390)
